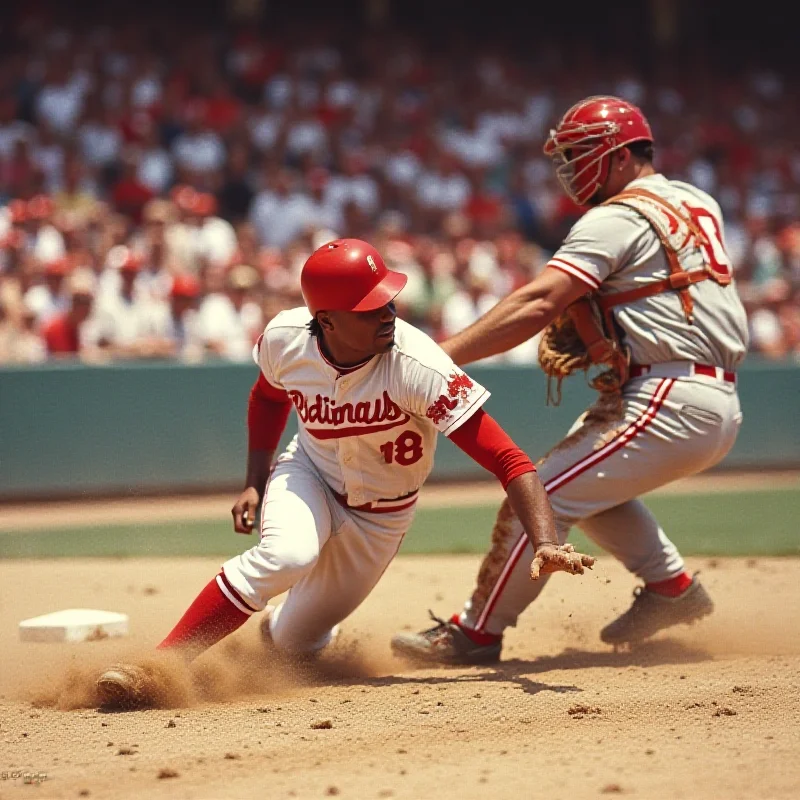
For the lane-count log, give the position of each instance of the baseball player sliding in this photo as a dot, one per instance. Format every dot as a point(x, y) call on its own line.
point(371, 394)
point(642, 287)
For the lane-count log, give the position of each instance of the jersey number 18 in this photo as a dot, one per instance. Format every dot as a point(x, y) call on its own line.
point(406, 449)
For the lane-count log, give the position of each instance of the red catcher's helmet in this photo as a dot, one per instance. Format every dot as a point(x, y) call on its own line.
point(588, 133)
point(348, 275)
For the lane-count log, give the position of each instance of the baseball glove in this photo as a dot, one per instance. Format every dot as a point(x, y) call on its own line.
point(576, 341)
point(562, 353)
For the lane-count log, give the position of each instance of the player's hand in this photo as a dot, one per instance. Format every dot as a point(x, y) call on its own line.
point(244, 511)
point(559, 558)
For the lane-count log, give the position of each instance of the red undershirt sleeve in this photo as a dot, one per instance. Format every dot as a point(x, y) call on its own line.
point(483, 440)
point(267, 411)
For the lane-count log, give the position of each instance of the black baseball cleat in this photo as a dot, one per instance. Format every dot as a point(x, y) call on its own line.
point(445, 643)
point(651, 612)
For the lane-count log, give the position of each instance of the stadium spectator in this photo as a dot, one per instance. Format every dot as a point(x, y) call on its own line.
point(20, 341)
point(50, 297)
point(67, 333)
point(177, 330)
point(235, 195)
point(230, 318)
point(234, 148)
point(129, 195)
point(127, 313)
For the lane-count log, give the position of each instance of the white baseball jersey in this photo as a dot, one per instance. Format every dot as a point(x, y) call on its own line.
point(370, 430)
point(612, 249)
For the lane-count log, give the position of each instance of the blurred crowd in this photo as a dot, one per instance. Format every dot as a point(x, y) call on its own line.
point(158, 202)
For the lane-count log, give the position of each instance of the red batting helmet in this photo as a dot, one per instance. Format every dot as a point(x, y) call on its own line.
point(586, 136)
point(348, 275)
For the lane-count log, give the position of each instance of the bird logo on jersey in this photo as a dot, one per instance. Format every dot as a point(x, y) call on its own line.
point(459, 387)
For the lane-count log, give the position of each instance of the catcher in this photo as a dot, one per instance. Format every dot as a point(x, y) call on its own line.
point(641, 296)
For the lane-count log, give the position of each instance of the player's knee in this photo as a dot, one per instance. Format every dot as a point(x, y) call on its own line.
point(291, 557)
point(293, 643)
point(567, 509)
point(296, 637)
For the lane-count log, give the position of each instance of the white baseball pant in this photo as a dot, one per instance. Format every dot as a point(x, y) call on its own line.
point(327, 557)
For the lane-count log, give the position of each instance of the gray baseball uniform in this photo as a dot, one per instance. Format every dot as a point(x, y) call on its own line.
point(679, 413)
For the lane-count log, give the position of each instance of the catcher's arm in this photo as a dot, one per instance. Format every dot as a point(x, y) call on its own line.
point(516, 318)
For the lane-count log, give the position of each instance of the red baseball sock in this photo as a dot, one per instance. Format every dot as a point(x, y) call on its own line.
point(476, 636)
point(674, 587)
point(211, 617)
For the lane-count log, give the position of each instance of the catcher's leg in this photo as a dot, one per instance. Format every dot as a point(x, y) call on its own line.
point(669, 596)
point(459, 640)
point(606, 461)
point(504, 587)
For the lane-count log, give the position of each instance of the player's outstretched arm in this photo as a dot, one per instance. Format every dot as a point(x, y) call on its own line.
point(528, 498)
point(481, 438)
point(267, 411)
point(516, 318)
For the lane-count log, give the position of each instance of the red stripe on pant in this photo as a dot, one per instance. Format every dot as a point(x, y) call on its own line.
point(569, 474)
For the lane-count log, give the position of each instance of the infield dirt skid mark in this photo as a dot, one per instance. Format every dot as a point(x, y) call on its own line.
point(240, 668)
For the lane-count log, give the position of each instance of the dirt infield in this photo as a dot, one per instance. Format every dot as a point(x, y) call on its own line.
point(710, 712)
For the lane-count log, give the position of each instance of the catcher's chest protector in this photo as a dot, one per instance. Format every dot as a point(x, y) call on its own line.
point(677, 232)
point(590, 318)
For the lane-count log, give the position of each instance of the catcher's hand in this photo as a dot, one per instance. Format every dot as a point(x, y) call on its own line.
point(559, 558)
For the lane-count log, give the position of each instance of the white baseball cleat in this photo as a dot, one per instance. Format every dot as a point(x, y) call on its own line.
point(126, 687)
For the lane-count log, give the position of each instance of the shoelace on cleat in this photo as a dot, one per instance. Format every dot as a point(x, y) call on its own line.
point(438, 631)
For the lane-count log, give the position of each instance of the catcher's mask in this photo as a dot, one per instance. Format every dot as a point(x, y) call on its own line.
point(587, 134)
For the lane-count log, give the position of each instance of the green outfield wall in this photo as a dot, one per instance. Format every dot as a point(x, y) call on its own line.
point(137, 428)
